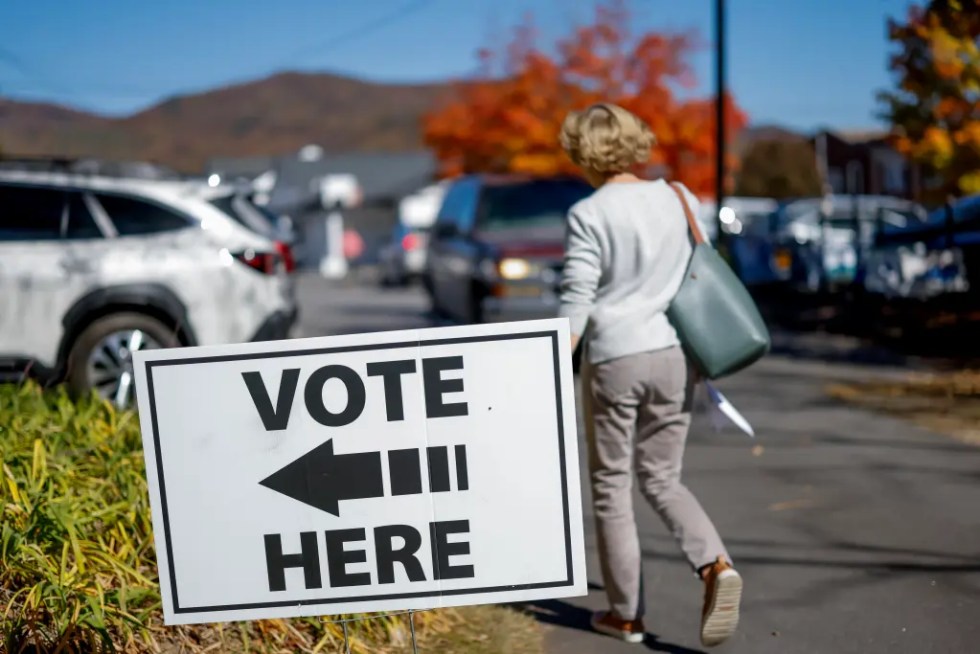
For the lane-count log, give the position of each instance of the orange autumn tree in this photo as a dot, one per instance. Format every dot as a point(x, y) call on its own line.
point(507, 119)
point(935, 110)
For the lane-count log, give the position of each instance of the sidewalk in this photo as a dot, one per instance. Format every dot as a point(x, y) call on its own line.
point(855, 533)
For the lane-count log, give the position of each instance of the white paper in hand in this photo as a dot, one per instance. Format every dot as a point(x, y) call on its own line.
point(722, 412)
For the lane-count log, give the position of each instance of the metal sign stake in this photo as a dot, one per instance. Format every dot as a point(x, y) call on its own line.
point(343, 623)
point(411, 623)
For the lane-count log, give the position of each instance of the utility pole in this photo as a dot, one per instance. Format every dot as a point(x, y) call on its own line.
point(720, 141)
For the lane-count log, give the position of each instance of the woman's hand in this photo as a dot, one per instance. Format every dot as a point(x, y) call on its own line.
point(575, 339)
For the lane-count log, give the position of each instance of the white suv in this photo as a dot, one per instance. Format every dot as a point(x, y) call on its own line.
point(93, 267)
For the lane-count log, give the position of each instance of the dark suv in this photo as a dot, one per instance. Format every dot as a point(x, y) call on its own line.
point(497, 246)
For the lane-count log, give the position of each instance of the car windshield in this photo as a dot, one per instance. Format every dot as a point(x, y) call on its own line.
point(538, 205)
point(256, 218)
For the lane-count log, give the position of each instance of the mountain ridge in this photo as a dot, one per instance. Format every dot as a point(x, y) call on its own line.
point(272, 115)
point(269, 116)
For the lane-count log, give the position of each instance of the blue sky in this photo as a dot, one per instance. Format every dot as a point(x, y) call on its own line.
point(801, 63)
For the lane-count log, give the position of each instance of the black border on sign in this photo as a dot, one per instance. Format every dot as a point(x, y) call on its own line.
point(568, 581)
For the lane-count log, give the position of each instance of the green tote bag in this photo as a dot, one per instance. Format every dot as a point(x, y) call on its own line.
point(716, 319)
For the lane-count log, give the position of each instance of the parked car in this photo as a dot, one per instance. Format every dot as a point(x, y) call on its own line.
point(914, 271)
point(745, 222)
point(240, 208)
point(402, 259)
point(817, 243)
point(947, 226)
point(94, 267)
point(922, 281)
point(924, 260)
point(497, 247)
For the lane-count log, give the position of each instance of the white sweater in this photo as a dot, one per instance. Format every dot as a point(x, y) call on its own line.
point(627, 247)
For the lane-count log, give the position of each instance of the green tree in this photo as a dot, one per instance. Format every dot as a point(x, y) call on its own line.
point(778, 168)
point(935, 109)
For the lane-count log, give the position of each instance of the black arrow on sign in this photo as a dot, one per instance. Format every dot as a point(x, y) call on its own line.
point(321, 478)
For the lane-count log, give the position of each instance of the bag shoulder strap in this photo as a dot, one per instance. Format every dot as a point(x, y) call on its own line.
point(692, 223)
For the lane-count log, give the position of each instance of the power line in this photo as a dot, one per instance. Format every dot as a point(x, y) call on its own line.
point(361, 30)
point(17, 63)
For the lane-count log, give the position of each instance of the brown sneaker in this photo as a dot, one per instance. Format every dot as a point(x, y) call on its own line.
point(722, 594)
point(630, 631)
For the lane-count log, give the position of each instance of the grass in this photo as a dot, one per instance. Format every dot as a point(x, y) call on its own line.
point(948, 403)
point(77, 566)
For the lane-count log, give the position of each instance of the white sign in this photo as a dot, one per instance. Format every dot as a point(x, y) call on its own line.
point(374, 472)
point(340, 191)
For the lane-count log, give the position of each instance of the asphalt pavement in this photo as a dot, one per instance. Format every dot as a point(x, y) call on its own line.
point(854, 532)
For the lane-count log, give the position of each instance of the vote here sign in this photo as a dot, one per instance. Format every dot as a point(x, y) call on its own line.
point(360, 473)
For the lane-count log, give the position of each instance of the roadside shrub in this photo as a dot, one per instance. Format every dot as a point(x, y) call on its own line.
point(77, 566)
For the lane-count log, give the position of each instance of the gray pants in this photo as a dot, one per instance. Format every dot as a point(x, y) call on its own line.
point(641, 403)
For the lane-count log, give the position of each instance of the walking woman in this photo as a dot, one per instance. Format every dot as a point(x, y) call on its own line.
point(626, 253)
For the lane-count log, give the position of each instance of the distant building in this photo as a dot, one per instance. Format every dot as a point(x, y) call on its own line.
point(384, 178)
point(863, 162)
point(232, 168)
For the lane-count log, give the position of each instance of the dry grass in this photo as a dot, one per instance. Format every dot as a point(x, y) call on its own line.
point(487, 630)
point(948, 403)
point(78, 571)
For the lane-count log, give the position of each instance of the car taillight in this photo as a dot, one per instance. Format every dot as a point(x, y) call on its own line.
point(288, 260)
point(264, 262)
point(410, 242)
point(783, 259)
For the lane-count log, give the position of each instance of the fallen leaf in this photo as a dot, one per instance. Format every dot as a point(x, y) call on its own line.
point(791, 504)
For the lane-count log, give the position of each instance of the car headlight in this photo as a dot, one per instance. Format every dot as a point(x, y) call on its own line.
point(513, 269)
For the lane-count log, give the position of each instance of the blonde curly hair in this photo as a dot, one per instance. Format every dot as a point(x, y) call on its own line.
point(606, 139)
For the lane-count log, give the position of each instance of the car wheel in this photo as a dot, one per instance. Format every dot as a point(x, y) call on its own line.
point(101, 357)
